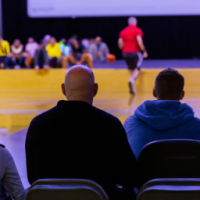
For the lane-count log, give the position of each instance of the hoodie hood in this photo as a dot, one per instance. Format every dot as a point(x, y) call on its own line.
point(163, 114)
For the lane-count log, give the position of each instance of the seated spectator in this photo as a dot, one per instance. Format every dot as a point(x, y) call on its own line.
point(164, 118)
point(9, 175)
point(30, 48)
point(78, 54)
point(62, 44)
point(4, 50)
point(77, 140)
point(86, 43)
point(17, 56)
point(67, 50)
point(41, 58)
point(99, 50)
point(64, 47)
point(47, 39)
point(91, 41)
point(55, 55)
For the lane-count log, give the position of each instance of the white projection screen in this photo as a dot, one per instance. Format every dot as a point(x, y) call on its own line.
point(100, 8)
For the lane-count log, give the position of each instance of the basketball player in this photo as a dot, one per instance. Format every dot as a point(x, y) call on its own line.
point(133, 49)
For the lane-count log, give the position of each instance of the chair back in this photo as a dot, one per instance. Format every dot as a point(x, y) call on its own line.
point(169, 159)
point(173, 189)
point(60, 189)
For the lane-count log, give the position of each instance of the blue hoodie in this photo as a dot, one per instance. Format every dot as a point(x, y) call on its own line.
point(158, 120)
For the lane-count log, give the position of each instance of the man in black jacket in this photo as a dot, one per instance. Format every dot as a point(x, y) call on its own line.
point(76, 140)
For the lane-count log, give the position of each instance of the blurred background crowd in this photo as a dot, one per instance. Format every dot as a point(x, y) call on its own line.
point(50, 53)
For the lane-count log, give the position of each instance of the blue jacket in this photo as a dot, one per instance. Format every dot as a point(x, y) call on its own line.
point(158, 120)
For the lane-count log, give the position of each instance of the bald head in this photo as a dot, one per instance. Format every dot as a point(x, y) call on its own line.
point(132, 21)
point(79, 84)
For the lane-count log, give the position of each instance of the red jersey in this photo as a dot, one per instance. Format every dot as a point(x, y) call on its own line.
point(129, 35)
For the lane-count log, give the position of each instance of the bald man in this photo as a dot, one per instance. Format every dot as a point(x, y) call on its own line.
point(77, 140)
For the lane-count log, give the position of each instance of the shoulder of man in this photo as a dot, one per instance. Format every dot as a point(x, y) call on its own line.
point(139, 29)
point(103, 44)
point(47, 46)
point(6, 42)
point(58, 45)
point(45, 116)
point(108, 116)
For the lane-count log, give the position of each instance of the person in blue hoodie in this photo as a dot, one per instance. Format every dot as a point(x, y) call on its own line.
point(164, 118)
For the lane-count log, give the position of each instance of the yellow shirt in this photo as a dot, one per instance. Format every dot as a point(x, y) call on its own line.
point(4, 48)
point(53, 51)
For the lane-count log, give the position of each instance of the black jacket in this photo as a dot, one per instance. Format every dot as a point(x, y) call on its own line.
point(77, 140)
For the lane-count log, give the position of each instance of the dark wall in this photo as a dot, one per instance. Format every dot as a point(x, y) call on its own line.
point(164, 37)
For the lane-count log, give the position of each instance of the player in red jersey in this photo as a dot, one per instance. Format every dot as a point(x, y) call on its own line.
point(133, 49)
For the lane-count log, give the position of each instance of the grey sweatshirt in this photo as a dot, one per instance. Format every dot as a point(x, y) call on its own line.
point(103, 49)
point(10, 176)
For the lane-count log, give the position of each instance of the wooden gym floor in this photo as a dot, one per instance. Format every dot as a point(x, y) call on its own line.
point(26, 93)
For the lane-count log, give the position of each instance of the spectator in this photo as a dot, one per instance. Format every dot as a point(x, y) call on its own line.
point(4, 50)
point(30, 48)
point(62, 45)
point(17, 56)
point(41, 58)
point(76, 140)
point(99, 50)
point(47, 39)
point(55, 55)
point(65, 49)
point(165, 118)
point(9, 175)
point(91, 41)
point(86, 43)
point(78, 54)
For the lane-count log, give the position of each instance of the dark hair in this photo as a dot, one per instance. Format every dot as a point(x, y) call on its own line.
point(169, 84)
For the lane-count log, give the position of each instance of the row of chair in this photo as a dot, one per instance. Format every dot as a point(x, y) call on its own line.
point(69, 189)
point(169, 169)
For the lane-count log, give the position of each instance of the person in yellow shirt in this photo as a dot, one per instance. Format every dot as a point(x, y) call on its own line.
point(55, 55)
point(4, 50)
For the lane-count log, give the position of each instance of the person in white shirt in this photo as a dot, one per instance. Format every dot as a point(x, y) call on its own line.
point(30, 48)
point(9, 175)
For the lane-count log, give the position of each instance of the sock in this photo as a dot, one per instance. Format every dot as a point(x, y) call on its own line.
point(132, 80)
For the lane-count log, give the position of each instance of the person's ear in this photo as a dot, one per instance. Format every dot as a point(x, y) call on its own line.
point(96, 87)
point(63, 89)
point(154, 93)
point(182, 95)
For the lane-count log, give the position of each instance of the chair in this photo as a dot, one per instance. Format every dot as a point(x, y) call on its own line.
point(169, 159)
point(63, 189)
point(173, 189)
